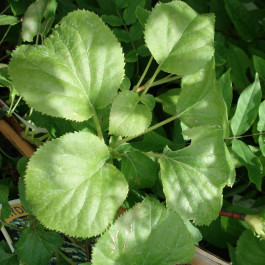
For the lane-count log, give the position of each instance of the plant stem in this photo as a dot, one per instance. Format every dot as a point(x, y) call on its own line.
point(65, 257)
point(244, 136)
point(162, 123)
point(4, 153)
point(5, 34)
point(5, 56)
point(234, 215)
point(155, 155)
point(13, 109)
point(144, 73)
point(10, 226)
point(5, 10)
point(88, 251)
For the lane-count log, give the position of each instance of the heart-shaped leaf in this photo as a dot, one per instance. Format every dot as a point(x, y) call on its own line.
point(146, 234)
point(79, 68)
point(180, 40)
point(70, 186)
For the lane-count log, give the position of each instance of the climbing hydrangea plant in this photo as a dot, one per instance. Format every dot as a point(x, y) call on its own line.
point(76, 183)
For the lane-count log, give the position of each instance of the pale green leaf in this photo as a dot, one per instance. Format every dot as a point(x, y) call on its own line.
point(250, 161)
point(185, 40)
point(196, 86)
point(149, 100)
point(31, 24)
point(261, 122)
point(78, 192)
point(5, 208)
point(80, 67)
point(125, 84)
point(128, 117)
point(242, 19)
point(247, 108)
point(146, 234)
point(259, 65)
point(226, 85)
point(193, 178)
point(35, 246)
point(250, 249)
point(139, 170)
point(8, 20)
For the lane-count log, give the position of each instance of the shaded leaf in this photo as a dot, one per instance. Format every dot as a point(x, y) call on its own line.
point(6, 257)
point(74, 180)
point(5, 208)
point(19, 7)
point(142, 15)
point(122, 35)
point(261, 127)
point(112, 20)
point(129, 12)
point(259, 65)
point(145, 233)
point(247, 108)
point(250, 161)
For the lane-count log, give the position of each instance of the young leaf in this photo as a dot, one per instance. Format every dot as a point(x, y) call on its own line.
point(185, 40)
point(147, 233)
point(127, 116)
point(5, 209)
point(250, 249)
point(80, 68)
point(71, 177)
point(129, 12)
point(32, 19)
point(247, 108)
point(193, 178)
point(226, 85)
point(8, 20)
point(242, 19)
point(139, 170)
point(249, 160)
point(259, 65)
point(35, 246)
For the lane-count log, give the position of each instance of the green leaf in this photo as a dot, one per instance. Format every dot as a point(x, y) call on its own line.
point(35, 246)
point(259, 65)
point(250, 249)
point(129, 12)
point(195, 87)
point(247, 108)
point(125, 84)
point(149, 100)
point(250, 161)
point(139, 170)
point(143, 51)
point(112, 20)
point(142, 15)
point(222, 19)
point(128, 117)
point(31, 24)
point(226, 85)
point(8, 20)
point(239, 62)
point(7, 258)
point(5, 208)
point(72, 179)
point(81, 62)
point(169, 100)
point(131, 57)
point(147, 233)
point(185, 40)
point(261, 127)
point(242, 19)
point(122, 35)
point(19, 6)
point(136, 31)
point(194, 231)
point(193, 177)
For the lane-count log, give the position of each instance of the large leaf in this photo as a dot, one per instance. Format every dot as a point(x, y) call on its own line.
point(80, 67)
point(242, 19)
point(250, 249)
point(193, 178)
point(146, 234)
point(185, 40)
point(250, 161)
point(129, 117)
point(35, 246)
point(139, 170)
point(247, 108)
point(70, 186)
point(259, 64)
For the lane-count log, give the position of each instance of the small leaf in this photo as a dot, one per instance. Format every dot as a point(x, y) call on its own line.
point(261, 127)
point(149, 100)
point(5, 208)
point(146, 233)
point(136, 31)
point(143, 51)
point(71, 177)
point(250, 249)
point(142, 15)
point(112, 20)
point(131, 57)
point(259, 65)
point(129, 12)
point(185, 42)
point(139, 170)
point(226, 85)
point(193, 177)
point(81, 62)
point(128, 117)
point(8, 20)
point(35, 246)
point(125, 84)
point(122, 35)
point(247, 108)
point(242, 19)
point(6, 257)
point(250, 161)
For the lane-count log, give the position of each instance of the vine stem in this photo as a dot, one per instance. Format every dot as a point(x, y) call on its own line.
point(65, 257)
point(244, 136)
point(13, 109)
point(144, 73)
point(239, 216)
point(162, 123)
